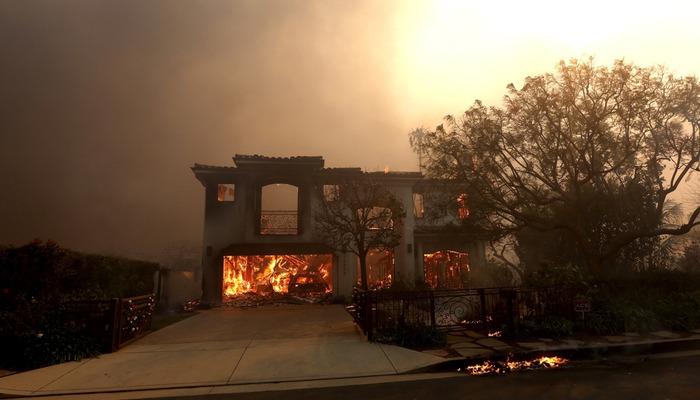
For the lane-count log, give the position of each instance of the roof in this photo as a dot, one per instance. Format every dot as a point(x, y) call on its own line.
point(242, 160)
point(397, 174)
point(212, 167)
point(343, 169)
point(313, 165)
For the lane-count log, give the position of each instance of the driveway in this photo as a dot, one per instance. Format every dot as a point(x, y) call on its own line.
point(228, 346)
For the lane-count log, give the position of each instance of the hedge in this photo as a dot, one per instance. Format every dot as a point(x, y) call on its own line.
point(37, 277)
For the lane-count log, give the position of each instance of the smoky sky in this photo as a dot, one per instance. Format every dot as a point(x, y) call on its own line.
point(105, 105)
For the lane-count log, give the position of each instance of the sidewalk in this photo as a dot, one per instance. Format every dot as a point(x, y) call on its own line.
point(285, 347)
point(230, 347)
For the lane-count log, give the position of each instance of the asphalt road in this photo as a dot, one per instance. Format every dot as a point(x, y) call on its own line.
point(669, 378)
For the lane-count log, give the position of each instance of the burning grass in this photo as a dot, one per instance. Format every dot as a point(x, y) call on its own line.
point(509, 365)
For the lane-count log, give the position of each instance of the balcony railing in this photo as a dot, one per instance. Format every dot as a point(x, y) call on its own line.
point(279, 222)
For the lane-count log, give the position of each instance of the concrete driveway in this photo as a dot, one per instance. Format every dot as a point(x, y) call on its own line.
point(230, 346)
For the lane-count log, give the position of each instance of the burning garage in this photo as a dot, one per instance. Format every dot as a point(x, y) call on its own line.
point(304, 274)
point(261, 235)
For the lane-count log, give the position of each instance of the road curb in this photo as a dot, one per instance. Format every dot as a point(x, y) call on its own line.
point(577, 353)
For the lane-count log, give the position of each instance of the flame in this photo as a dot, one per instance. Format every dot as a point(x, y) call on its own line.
point(498, 367)
point(456, 269)
point(380, 264)
point(462, 208)
point(271, 273)
point(234, 283)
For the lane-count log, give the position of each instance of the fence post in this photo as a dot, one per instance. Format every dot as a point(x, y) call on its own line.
point(510, 296)
point(368, 314)
point(115, 313)
point(482, 301)
point(432, 309)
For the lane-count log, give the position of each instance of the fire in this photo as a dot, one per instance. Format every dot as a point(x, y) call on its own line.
point(380, 265)
point(264, 274)
point(446, 269)
point(502, 367)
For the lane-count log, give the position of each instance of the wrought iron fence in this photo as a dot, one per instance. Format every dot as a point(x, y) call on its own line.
point(456, 309)
point(135, 316)
point(279, 222)
point(114, 323)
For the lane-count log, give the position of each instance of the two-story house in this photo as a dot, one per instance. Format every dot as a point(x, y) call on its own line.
point(259, 232)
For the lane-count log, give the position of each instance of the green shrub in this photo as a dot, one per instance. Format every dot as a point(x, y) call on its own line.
point(35, 279)
point(52, 345)
point(639, 319)
point(603, 322)
point(643, 314)
point(547, 327)
point(614, 316)
point(56, 345)
point(46, 271)
point(563, 276)
point(412, 336)
point(679, 311)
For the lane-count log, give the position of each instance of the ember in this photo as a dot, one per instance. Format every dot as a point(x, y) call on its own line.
point(502, 367)
point(272, 274)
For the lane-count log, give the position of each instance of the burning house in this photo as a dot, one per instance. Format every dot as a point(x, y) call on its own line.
point(259, 233)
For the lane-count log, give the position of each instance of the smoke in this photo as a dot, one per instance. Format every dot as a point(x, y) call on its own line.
point(106, 104)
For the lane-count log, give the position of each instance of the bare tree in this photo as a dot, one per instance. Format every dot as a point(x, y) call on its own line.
point(590, 152)
point(360, 216)
point(502, 252)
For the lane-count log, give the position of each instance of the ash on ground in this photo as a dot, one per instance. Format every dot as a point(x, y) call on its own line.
point(252, 299)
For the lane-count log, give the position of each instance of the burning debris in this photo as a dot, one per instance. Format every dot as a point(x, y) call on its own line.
point(252, 299)
point(446, 269)
point(503, 367)
point(380, 268)
point(257, 280)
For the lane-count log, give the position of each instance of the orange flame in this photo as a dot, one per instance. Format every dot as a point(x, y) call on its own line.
point(496, 367)
point(446, 268)
point(271, 273)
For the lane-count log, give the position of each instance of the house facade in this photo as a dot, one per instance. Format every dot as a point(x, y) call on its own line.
point(260, 234)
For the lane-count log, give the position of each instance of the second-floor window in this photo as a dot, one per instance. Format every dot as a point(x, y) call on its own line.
point(331, 192)
point(418, 205)
point(279, 209)
point(462, 208)
point(377, 218)
point(226, 192)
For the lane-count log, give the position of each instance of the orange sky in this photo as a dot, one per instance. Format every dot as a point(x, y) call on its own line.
point(452, 52)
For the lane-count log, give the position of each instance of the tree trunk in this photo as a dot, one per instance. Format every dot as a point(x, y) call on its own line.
point(363, 272)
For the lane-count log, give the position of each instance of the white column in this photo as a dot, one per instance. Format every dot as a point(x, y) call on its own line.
point(345, 274)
